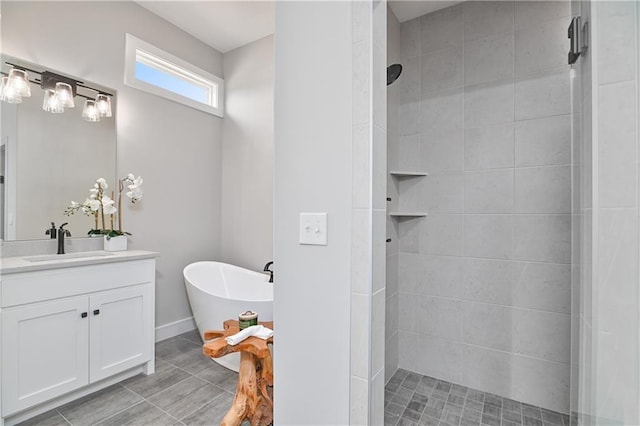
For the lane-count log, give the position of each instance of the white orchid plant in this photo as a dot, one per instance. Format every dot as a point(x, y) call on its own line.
point(99, 205)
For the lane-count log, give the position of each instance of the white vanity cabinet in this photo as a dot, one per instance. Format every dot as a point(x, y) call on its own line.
point(119, 330)
point(71, 330)
point(44, 352)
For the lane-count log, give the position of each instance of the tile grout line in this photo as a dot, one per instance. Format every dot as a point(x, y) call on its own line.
point(124, 409)
point(197, 377)
point(203, 405)
point(482, 302)
point(191, 375)
point(463, 192)
point(131, 406)
point(63, 417)
point(187, 378)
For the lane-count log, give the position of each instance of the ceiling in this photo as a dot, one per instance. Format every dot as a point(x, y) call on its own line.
point(226, 25)
point(406, 10)
point(223, 25)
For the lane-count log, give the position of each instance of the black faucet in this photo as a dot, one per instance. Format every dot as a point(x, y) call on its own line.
point(270, 271)
point(52, 232)
point(61, 234)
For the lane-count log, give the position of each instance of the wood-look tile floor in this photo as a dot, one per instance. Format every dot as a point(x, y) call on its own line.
point(187, 388)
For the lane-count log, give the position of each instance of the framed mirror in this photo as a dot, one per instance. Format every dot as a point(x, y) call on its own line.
point(49, 159)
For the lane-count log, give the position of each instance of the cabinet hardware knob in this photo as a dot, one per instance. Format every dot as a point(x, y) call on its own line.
point(96, 312)
point(83, 315)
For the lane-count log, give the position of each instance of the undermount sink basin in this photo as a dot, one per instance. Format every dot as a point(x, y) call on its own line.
point(69, 256)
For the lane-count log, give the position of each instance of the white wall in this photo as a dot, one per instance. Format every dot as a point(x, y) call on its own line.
point(175, 148)
point(312, 174)
point(247, 152)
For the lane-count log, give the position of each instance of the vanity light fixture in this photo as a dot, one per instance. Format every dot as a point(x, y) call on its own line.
point(90, 111)
point(52, 102)
point(103, 105)
point(59, 92)
point(18, 81)
point(8, 93)
point(65, 94)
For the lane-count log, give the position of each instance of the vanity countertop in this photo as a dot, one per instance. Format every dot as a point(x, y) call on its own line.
point(12, 265)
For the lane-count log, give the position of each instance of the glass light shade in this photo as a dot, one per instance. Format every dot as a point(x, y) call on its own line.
point(8, 93)
point(103, 103)
point(51, 102)
point(90, 111)
point(65, 94)
point(19, 81)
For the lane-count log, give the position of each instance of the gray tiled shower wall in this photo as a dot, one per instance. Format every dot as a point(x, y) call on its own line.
point(484, 291)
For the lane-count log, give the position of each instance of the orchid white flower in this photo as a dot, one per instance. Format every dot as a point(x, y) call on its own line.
point(92, 204)
point(135, 194)
point(99, 205)
point(101, 183)
point(135, 189)
point(75, 206)
point(108, 205)
point(88, 207)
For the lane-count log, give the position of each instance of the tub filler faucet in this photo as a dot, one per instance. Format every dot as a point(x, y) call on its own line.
point(270, 271)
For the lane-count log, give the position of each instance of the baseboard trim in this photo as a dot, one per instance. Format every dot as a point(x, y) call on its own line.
point(172, 329)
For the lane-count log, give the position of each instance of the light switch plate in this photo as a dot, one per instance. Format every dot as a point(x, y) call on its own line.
point(313, 229)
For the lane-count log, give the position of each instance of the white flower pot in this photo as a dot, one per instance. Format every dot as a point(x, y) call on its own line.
point(115, 243)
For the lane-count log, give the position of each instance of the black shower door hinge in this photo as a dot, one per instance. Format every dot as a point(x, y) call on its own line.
point(577, 39)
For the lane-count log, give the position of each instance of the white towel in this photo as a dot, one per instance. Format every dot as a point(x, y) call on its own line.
point(255, 330)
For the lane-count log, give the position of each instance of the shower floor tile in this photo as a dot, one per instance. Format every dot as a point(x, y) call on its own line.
point(412, 399)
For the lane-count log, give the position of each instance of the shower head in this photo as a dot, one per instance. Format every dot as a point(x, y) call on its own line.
point(393, 72)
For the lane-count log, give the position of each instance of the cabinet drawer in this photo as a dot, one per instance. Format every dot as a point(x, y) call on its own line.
point(29, 287)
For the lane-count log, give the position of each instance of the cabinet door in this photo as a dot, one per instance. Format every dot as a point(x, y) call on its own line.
point(44, 351)
point(121, 330)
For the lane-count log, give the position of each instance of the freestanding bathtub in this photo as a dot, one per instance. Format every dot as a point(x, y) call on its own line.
point(219, 291)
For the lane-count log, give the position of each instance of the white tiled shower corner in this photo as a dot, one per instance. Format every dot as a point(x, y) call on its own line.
point(614, 159)
point(369, 158)
point(484, 280)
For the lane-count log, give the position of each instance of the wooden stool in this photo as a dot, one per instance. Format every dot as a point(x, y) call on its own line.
point(252, 401)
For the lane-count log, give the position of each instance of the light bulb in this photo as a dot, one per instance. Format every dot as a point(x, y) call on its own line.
point(90, 111)
point(8, 92)
point(51, 102)
point(103, 103)
point(65, 94)
point(19, 81)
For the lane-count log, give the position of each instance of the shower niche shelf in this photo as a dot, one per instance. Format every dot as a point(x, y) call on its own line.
point(401, 174)
point(408, 215)
point(407, 174)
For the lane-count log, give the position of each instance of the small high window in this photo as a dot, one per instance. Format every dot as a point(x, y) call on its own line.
point(155, 71)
